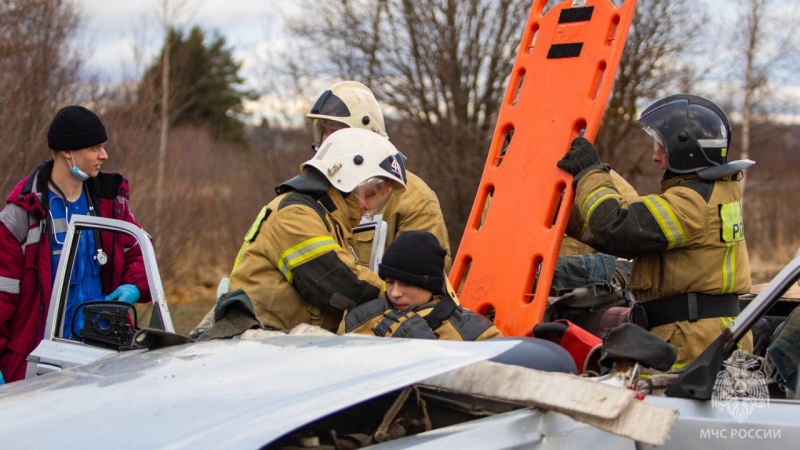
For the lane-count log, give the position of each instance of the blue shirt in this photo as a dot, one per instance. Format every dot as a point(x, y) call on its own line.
point(84, 284)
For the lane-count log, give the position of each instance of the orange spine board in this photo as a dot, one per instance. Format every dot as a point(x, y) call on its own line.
point(562, 78)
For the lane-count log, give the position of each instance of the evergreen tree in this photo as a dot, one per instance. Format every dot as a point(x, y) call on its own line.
point(204, 82)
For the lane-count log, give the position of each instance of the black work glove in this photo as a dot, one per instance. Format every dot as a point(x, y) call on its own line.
point(340, 302)
point(581, 156)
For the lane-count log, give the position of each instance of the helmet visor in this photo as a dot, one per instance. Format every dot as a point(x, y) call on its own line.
point(323, 128)
point(328, 104)
point(657, 137)
point(372, 194)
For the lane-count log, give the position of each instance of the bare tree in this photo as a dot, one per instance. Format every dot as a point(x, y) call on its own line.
point(170, 11)
point(760, 50)
point(39, 68)
point(440, 65)
point(656, 61)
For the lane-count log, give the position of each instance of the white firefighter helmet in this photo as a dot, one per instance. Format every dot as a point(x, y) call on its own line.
point(353, 155)
point(349, 103)
point(363, 163)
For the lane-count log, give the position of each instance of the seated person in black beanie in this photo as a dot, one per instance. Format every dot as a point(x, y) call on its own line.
point(417, 302)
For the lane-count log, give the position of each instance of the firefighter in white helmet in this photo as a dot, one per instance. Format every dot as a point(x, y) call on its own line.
point(350, 104)
point(297, 255)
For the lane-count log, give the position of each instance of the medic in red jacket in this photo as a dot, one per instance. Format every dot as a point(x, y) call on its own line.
point(76, 137)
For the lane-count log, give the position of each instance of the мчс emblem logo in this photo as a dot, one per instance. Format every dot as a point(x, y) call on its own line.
point(741, 386)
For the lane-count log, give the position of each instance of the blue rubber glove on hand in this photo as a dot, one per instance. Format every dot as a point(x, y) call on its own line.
point(127, 293)
point(2, 379)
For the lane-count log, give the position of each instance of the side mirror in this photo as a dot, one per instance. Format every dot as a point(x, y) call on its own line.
point(108, 324)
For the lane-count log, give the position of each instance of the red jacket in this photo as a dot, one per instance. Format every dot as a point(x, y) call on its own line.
point(25, 271)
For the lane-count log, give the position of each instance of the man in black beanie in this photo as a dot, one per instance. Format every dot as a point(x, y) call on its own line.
point(33, 226)
point(418, 302)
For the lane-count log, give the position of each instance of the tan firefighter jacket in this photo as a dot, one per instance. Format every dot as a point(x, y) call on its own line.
point(574, 247)
point(416, 208)
point(688, 239)
point(296, 255)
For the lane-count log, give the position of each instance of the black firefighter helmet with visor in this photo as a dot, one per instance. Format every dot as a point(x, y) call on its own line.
point(694, 132)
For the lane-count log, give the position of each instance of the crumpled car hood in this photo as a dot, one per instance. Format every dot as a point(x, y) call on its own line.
point(232, 393)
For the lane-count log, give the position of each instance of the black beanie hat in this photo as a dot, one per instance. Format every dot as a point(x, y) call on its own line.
point(74, 128)
point(416, 258)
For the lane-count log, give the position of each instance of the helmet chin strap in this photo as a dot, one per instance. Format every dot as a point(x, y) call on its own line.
point(76, 172)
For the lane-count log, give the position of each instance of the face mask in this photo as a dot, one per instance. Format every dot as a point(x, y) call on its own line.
point(76, 172)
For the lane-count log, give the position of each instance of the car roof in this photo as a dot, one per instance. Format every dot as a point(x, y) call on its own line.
point(236, 393)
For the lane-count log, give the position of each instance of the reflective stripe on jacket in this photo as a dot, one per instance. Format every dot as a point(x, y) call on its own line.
point(296, 256)
point(689, 238)
point(25, 271)
point(573, 247)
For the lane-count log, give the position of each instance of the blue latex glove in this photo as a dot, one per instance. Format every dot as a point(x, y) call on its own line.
point(2, 379)
point(127, 293)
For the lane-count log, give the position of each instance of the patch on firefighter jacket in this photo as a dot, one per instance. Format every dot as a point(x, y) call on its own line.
point(732, 225)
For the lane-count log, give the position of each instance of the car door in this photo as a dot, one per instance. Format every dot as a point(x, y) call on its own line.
point(109, 325)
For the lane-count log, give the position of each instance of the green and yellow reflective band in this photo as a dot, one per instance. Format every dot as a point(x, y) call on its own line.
point(592, 201)
point(240, 254)
point(728, 322)
point(253, 231)
point(251, 235)
point(666, 219)
point(678, 366)
point(729, 268)
point(595, 198)
point(304, 251)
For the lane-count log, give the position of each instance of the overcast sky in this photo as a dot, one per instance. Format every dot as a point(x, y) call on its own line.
point(114, 28)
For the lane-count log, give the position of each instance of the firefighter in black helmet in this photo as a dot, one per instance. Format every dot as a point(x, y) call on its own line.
point(689, 253)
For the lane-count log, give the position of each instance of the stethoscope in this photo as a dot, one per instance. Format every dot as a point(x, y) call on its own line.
point(100, 257)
